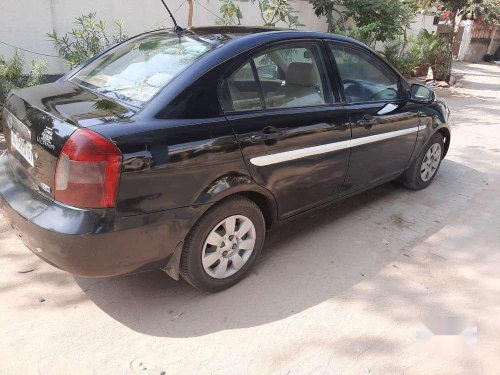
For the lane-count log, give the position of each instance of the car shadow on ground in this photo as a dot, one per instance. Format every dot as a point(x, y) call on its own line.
point(304, 262)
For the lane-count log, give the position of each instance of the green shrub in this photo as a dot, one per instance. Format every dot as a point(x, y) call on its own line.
point(401, 57)
point(11, 74)
point(440, 61)
point(425, 49)
point(88, 38)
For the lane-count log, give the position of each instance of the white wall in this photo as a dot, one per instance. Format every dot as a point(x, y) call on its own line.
point(422, 22)
point(25, 23)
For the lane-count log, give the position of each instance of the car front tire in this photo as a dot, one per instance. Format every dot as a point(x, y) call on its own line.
point(424, 168)
point(223, 245)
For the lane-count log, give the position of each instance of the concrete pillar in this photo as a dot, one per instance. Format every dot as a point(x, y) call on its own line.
point(466, 38)
point(492, 47)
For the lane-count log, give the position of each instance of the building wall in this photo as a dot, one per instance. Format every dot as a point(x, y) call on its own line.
point(25, 23)
point(422, 22)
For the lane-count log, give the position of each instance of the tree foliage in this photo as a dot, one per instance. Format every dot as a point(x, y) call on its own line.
point(86, 39)
point(274, 11)
point(230, 13)
point(271, 12)
point(485, 10)
point(379, 20)
point(374, 20)
point(331, 9)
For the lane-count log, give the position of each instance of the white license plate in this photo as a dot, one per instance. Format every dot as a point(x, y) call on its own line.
point(24, 148)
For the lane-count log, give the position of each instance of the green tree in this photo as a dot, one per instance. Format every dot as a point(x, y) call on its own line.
point(330, 10)
point(379, 20)
point(374, 20)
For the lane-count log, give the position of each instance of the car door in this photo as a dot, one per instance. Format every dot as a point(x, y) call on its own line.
point(293, 134)
point(384, 124)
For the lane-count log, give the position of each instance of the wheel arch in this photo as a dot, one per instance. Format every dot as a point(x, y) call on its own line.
point(236, 183)
point(264, 203)
point(445, 132)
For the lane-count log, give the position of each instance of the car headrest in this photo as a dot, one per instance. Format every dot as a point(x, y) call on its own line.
point(301, 74)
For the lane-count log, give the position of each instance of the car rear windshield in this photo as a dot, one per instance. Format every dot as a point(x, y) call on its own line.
point(134, 71)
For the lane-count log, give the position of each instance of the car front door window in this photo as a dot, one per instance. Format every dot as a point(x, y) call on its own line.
point(364, 80)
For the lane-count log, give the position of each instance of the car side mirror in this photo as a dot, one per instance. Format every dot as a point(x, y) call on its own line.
point(421, 94)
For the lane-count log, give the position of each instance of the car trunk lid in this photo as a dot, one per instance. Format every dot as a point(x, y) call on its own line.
point(38, 121)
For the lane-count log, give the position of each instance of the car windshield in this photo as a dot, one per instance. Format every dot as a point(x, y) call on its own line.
point(136, 70)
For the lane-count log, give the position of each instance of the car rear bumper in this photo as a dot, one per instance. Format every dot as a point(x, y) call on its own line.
point(91, 242)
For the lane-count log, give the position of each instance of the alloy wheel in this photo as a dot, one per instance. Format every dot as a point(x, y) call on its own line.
point(228, 246)
point(430, 163)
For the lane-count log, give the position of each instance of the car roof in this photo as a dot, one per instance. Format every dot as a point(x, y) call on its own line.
point(227, 33)
point(241, 38)
point(232, 30)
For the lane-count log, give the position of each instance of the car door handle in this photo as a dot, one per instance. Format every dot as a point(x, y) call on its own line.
point(264, 137)
point(268, 134)
point(367, 121)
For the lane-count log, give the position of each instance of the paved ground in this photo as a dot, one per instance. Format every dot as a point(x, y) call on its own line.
point(342, 292)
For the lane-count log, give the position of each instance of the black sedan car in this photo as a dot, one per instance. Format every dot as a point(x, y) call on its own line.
point(178, 150)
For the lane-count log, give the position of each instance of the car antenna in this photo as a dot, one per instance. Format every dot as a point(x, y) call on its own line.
point(177, 28)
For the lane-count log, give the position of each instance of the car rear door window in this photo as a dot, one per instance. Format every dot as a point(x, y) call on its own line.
point(364, 79)
point(290, 77)
point(244, 89)
point(280, 77)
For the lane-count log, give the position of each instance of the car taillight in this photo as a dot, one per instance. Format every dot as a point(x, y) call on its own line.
point(88, 171)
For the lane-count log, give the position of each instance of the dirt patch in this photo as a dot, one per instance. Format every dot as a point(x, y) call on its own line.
point(398, 220)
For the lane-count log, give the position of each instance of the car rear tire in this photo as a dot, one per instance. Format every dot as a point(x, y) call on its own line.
point(424, 168)
point(223, 245)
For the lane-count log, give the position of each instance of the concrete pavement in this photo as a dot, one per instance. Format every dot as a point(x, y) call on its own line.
point(344, 291)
